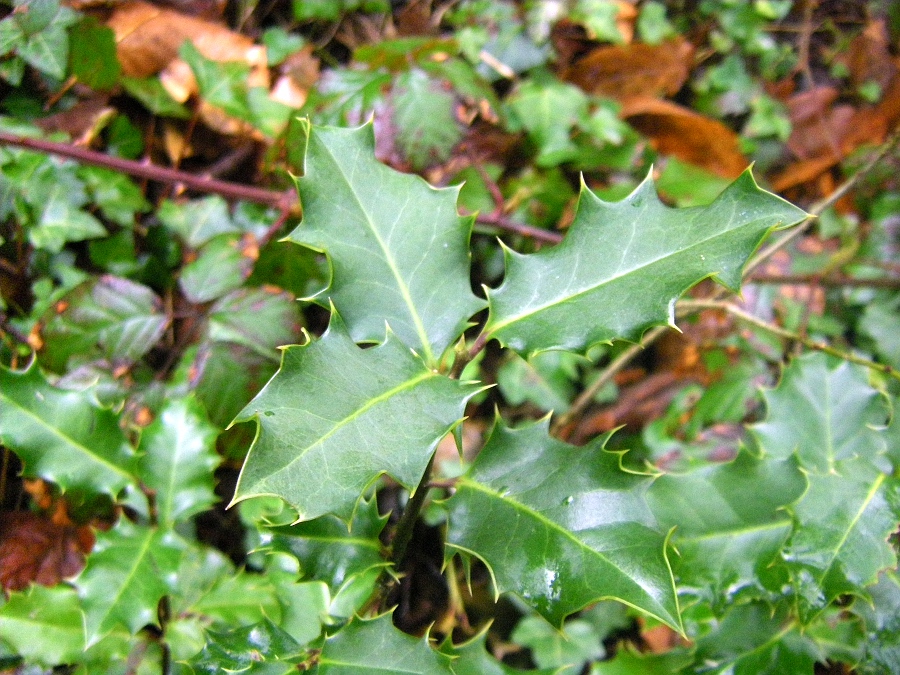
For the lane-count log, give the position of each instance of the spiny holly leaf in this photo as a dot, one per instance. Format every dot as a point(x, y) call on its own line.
point(62, 436)
point(622, 265)
point(335, 417)
point(730, 523)
point(131, 568)
point(177, 459)
point(241, 649)
point(375, 646)
point(841, 538)
point(824, 410)
point(43, 625)
point(562, 526)
point(472, 658)
point(398, 249)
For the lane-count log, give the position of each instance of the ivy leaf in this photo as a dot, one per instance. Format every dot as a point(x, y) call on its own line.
point(43, 625)
point(824, 410)
point(730, 523)
point(177, 460)
point(131, 568)
point(199, 220)
point(841, 538)
point(398, 249)
point(423, 112)
point(222, 266)
point(548, 110)
point(332, 420)
point(121, 319)
point(62, 436)
point(622, 265)
point(576, 527)
point(260, 319)
point(376, 646)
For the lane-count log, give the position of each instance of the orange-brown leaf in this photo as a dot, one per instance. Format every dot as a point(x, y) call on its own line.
point(33, 548)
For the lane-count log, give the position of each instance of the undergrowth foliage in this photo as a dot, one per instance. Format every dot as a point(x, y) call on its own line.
point(411, 483)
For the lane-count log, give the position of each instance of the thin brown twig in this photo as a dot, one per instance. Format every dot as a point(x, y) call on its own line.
point(501, 222)
point(155, 173)
point(834, 281)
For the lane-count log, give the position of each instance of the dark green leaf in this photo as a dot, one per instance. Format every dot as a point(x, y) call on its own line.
point(241, 649)
point(375, 646)
point(389, 238)
point(576, 527)
point(825, 411)
point(623, 264)
point(62, 436)
point(730, 523)
point(338, 413)
point(130, 569)
point(92, 54)
point(117, 196)
point(177, 460)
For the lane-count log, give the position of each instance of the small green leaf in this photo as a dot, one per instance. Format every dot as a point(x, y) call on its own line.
point(197, 221)
point(62, 436)
point(472, 658)
point(334, 418)
point(576, 645)
point(238, 599)
point(223, 84)
point(220, 268)
point(43, 625)
point(622, 265)
point(48, 51)
point(118, 197)
point(390, 238)
point(177, 459)
point(129, 570)
point(241, 649)
point(92, 54)
point(576, 527)
point(730, 523)
point(548, 110)
point(375, 646)
point(423, 113)
point(151, 93)
point(261, 319)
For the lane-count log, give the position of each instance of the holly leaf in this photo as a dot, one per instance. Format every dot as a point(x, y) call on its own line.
point(376, 646)
point(177, 459)
point(43, 625)
point(824, 410)
point(841, 538)
point(398, 249)
point(243, 649)
point(576, 527)
point(472, 658)
point(62, 436)
point(730, 523)
point(332, 420)
point(622, 265)
point(131, 568)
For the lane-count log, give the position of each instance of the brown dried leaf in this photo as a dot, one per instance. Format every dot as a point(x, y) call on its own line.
point(869, 58)
point(690, 136)
point(623, 71)
point(34, 548)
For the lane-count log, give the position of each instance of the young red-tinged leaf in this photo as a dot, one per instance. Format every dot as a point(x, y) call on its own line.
point(730, 523)
point(62, 436)
point(131, 568)
point(376, 646)
point(825, 411)
point(398, 249)
point(335, 417)
point(562, 526)
point(177, 459)
point(623, 265)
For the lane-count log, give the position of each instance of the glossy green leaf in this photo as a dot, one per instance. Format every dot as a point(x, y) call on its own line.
point(882, 617)
point(327, 551)
point(220, 268)
point(562, 526)
point(730, 523)
point(43, 625)
point(750, 640)
point(573, 647)
point(335, 417)
point(129, 570)
point(245, 649)
point(62, 436)
point(841, 538)
point(238, 599)
point(108, 317)
point(375, 646)
point(177, 459)
point(622, 265)
point(824, 410)
point(472, 658)
point(390, 237)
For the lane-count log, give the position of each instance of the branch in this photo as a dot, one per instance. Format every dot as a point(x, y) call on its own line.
point(501, 222)
point(836, 281)
point(282, 200)
point(746, 317)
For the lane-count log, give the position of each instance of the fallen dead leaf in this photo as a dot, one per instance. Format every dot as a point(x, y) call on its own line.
point(33, 548)
point(622, 71)
point(690, 136)
point(869, 58)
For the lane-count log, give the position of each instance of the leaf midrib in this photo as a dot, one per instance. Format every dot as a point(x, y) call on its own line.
point(389, 260)
point(643, 265)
